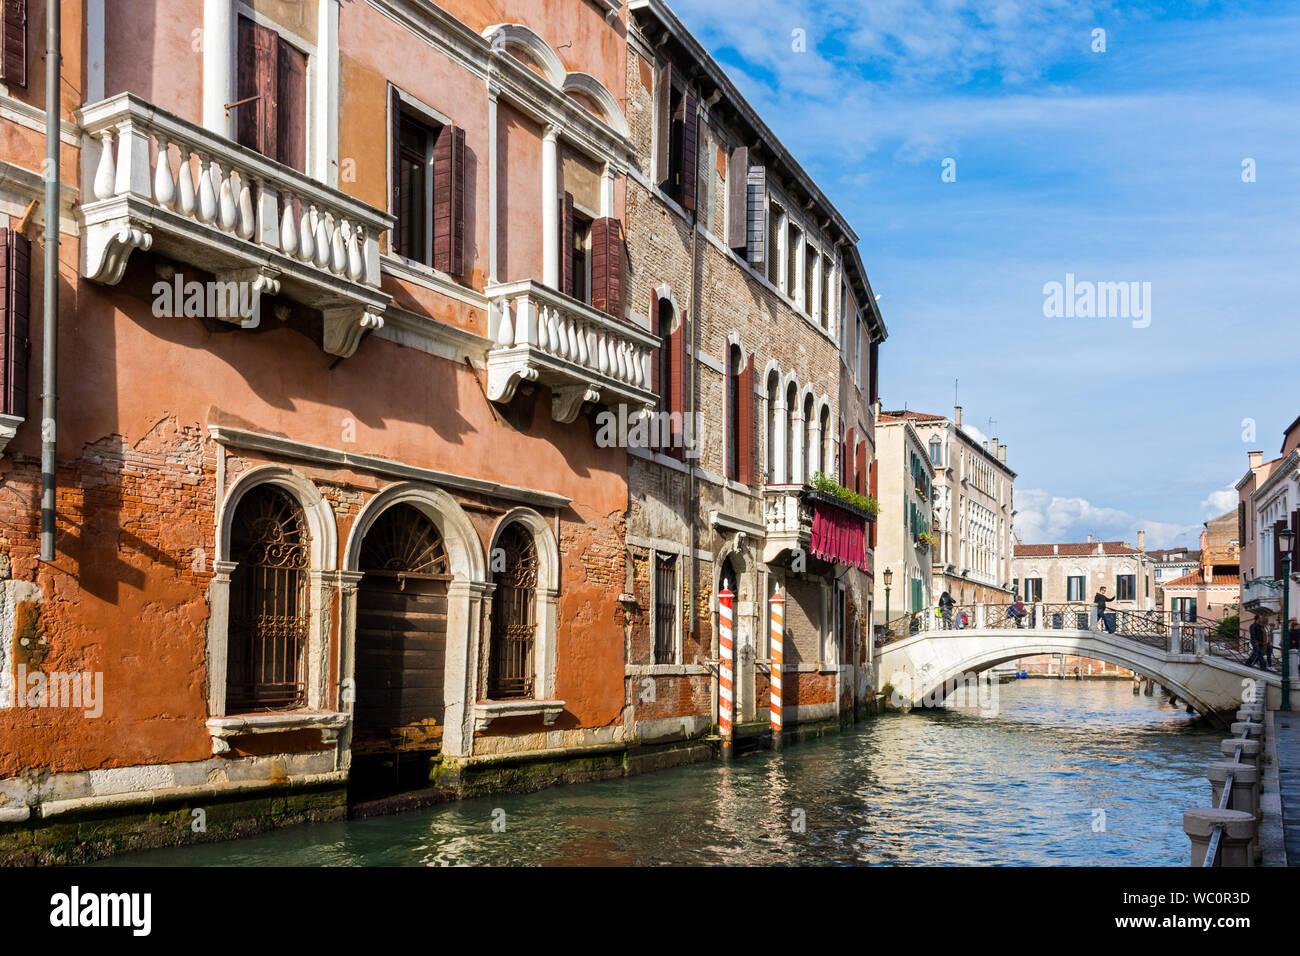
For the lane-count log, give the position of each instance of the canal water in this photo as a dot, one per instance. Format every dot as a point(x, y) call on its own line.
point(1064, 773)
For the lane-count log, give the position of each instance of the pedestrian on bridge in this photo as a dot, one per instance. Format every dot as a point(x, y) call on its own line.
point(1293, 635)
point(1258, 639)
point(945, 608)
point(1017, 612)
point(1103, 620)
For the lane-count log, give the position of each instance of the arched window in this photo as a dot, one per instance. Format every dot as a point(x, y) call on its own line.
point(735, 365)
point(936, 452)
point(810, 436)
point(794, 441)
point(269, 606)
point(666, 358)
point(514, 616)
point(828, 441)
point(773, 425)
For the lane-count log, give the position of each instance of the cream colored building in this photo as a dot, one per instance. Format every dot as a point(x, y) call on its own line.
point(904, 488)
point(973, 510)
point(1075, 572)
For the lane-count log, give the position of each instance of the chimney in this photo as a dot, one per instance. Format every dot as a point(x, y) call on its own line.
point(1256, 458)
point(1002, 453)
point(956, 417)
point(1090, 539)
point(986, 446)
point(993, 447)
point(1142, 541)
point(1056, 549)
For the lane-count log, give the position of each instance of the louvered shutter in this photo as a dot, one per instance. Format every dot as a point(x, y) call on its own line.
point(566, 244)
point(15, 293)
point(663, 121)
point(756, 216)
point(747, 401)
point(449, 201)
point(13, 63)
point(678, 381)
point(1277, 549)
point(860, 468)
point(607, 266)
point(654, 352)
point(690, 158)
point(738, 200)
point(291, 106)
point(258, 74)
point(849, 480)
point(395, 166)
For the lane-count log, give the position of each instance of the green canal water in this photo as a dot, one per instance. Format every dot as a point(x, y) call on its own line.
point(1065, 773)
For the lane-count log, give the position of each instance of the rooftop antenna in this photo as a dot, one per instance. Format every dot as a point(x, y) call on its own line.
point(992, 422)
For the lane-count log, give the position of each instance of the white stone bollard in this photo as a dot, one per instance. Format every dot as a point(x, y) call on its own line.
point(1245, 785)
point(1249, 750)
point(1252, 729)
point(1235, 842)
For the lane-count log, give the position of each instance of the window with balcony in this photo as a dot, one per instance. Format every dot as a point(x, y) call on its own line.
point(271, 89)
point(428, 184)
point(414, 228)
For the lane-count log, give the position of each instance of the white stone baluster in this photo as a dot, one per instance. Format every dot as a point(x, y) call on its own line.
point(247, 222)
point(553, 327)
point(227, 208)
point(306, 235)
point(207, 195)
point(584, 354)
point(338, 252)
point(321, 239)
point(106, 172)
point(164, 190)
point(186, 201)
point(505, 330)
point(288, 226)
point(356, 265)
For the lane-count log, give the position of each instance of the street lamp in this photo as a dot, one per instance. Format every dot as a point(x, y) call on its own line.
point(889, 579)
point(1286, 538)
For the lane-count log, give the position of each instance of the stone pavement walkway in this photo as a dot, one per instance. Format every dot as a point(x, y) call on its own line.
point(1287, 735)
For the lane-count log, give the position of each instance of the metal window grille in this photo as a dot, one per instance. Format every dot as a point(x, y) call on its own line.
point(269, 603)
point(514, 618)
point(665, 608)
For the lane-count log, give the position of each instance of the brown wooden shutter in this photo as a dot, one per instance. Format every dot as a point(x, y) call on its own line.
point(738, 200)
point(850, 481)
point(654, 353)
point(449, 200)
point(1241, 524)
point(607, 266)
point(690, 151)
point(756, 216)
point(663, 121)
point(291, 106)
point(15, 347)
point(678, 379)
point(13, 64)
point(745, 454)
point(258, 74)
point(395, 163)
point(872, 378)
point(1278, 525)
point(860, 468)
point(1295, 542)
point(566, 243)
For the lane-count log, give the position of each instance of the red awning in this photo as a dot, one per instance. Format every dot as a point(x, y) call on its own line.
point(839, 536)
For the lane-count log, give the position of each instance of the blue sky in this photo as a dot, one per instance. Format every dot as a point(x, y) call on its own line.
point(1122, 165)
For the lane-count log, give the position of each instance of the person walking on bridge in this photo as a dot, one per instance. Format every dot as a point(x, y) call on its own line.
point(945, 608)
point(1257, 638)
point(1100, 599)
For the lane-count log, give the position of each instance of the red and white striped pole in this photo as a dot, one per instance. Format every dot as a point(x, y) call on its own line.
point(726, 694)
point(778, 656)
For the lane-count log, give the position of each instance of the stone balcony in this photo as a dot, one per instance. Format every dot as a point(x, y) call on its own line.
point(800, 519)
point(583, 354)
point(1262, 594)
point(162, 183)
point(788, 517)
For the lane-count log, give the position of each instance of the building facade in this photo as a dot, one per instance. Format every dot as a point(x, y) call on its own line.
point(974, 511)
point(905, 482)
point(1210, 592)
point(1066, 573)
point(357, 302)
point(1269, 502)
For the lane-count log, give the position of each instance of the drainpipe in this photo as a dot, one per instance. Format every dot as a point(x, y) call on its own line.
point(50, 325)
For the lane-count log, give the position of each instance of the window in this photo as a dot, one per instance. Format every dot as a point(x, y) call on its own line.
point(857, 350)
point(775, 219)
point(1076, 588)
point(665, 609)
point(1126, 587)
point(514, 618)
point(272, 78)
point(415, 168)
point(678, 134)
point(1183, 609)
point(268, 603)
point(15, 276)
point(810, 278)
point(1033, 590)
point(428, 187)
point(734, 398)
point(828, 286)
point(793, 243)
point(936, 452)
point(13, 61)
point(580, 258)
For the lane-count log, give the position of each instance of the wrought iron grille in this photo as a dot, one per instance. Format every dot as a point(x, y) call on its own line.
point(514, 618)
point(403, 540)
point(665, 608)
point(268, 603)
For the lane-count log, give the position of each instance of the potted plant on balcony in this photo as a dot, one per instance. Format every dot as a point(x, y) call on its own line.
point(827, 488)
point(924, 539)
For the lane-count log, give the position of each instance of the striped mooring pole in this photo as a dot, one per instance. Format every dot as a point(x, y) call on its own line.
point(725, 684)
point(778, 655)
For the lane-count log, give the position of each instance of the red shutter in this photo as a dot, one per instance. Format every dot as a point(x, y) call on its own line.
point(745, 456)
point(663, 120)
point(566, 244)
point(395, 166)
point(738, 199)
point(690, 151)
point(15, 275)
point(13, 64)
point(1295, 542)
point(849, 480)
point(678, 383)
point(291, 106)
point(607, 266)
point(449, 201)
point(654, 353)
point(1278, 525)
point(871, 490)
point(257, 59)
point(860, 468)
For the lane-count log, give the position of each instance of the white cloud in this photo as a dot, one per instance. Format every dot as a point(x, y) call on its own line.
point(1044, 518)
point(1218, 502)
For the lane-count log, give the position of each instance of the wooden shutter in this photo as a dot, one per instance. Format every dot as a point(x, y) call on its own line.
point(738, 200)
point(663, 121)
point(756, 216)
point(850, 481)
point(566, 243)
point(258, 74)
point(395, 166)
point(1278, 525)
point(607, 266)
point(690, 159)
point(13, 64)
point(745, 454)
point(15, 347)
point(291, 106)
point(678, 378)
point(1241, 524)
point(449, 200)
point(860, 468)
point(654, 353)
point(1295, 542)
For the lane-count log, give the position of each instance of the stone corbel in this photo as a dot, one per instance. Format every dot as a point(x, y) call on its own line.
point(505, 377)
point(108, 246)
point(263, 281)
point(344, 327)
point(566, 401)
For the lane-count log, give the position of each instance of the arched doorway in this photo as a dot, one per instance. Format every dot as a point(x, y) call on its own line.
point(512, 666)
point(401, 637)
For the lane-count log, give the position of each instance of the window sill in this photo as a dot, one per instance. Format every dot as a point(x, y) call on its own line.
point(8, 429)
point(489, 710)
point(221, 729)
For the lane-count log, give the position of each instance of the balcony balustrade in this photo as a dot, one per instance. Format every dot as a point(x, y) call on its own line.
point(163, 183)
point(583, 354)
